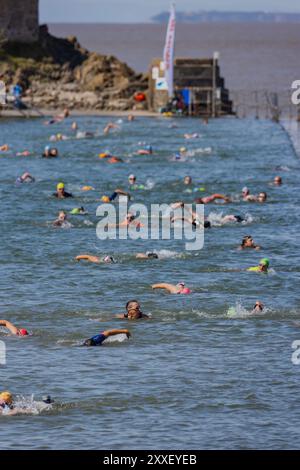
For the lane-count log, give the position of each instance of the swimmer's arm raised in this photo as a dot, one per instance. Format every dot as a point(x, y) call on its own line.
point(121, 331)
point(169, 287)
point(213, 197)
point(9, 326)
point(92, 259)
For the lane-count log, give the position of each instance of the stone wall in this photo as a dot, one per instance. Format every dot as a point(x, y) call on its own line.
point(19, 20)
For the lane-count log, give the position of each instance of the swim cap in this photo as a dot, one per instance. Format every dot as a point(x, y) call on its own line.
point(105, 199)
point(182, 149)
point(108, 259)
point(87, 188)
point(6, 396)
point(75, 211)
point(181, 284)
point(245, 189)
point(131, 177)
point(103, 155)
point(23, 332)
point(265, 262)
point(60, 186)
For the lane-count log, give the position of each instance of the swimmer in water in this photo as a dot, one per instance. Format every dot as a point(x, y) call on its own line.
point(263, 266)
point(192, 219)
point(130, 117)
point(247, 197)
point(115, 194)
point(78, 211)
point(179, 288)
point(133, 311)
point(110, 126)
point(277, 181)
point(212, 198)
point(97, 340)
point(59, 117)
point(60, 192)
point(147, 255)
point(187, 180)
point(13, 329)
point(25, 178)
point(146, 150)
point(25, 153)
point(130, 219)
point(61, 219)
point(7, 406)
point(50, 152)
point(96, 259)
point(248, 242)
point(115, 160)
point(258, 307)
point(191, 136)
point(232, 218)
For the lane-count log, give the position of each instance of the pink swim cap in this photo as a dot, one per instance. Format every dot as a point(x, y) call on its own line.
point(186, 290)
point(23, 332)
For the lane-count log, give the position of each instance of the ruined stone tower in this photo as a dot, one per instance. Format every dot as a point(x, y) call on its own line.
point(19, 20)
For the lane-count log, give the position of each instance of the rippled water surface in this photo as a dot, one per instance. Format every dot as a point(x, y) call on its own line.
point(191, 377)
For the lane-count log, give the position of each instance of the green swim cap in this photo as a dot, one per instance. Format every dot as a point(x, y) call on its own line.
point(75, 211)
point(265, 262)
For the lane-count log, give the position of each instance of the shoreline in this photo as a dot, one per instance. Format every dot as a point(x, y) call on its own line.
point(31, 113)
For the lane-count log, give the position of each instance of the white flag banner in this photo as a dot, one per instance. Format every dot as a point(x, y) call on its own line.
point(169, 51)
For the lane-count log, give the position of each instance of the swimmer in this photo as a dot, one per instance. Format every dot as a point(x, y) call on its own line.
point(263, 266)
point(74, 126)
point(96, 259)
point(25, 178)
point(13, 329)
point(25, 153)
point(145, 151)
point(258, 307)
point(115, 160)
point(133, 184)
point(232, 218)
point(277, 181)
point(50, 152)
point(147, 255)
point(173, 289)
point(7, 407)
point(115, 194)
point(61, 219)
point(130, 117)
point(84, 134)
point(261, 197)
point(187, 180)
point(78, 211)
point(248, 242)
point(110, 126)
point(97, 340)
point(133, 311)
point(57, 137)
point(212, 198)
point(193, 219)
point(60, 192)
point(59, 117)
point(191, 136)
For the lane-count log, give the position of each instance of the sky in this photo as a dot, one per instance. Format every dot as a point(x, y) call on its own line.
point(139, 11)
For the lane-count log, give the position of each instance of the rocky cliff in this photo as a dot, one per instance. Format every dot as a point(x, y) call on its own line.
point(58, 72)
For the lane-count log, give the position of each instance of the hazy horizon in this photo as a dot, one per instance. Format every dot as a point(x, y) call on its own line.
point(141, 11)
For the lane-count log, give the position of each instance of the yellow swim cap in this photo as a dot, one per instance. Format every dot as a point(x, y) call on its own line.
point(7, 397)
point(87, 188)
point(103, 155)
point(105, 199)
point(60, 186)
point(182, 149)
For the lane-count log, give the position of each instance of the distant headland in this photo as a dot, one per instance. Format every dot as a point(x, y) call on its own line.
point(228, 17)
